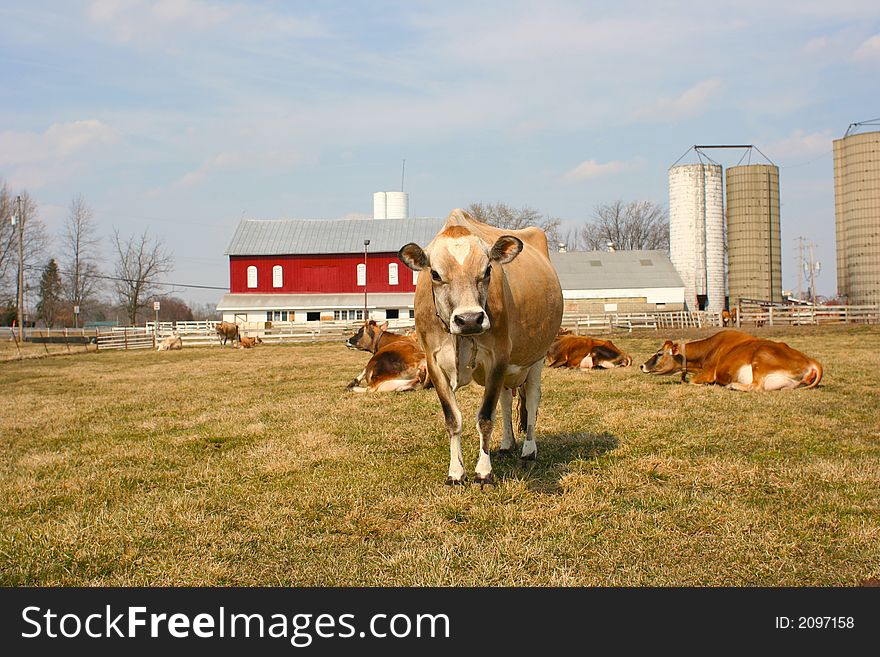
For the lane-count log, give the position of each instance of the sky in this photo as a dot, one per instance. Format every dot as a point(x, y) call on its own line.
point(181, 117)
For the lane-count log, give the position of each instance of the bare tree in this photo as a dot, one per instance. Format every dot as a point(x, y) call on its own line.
point(502, 215)
point(140, 262)
point(35, 241)
point(628, 226)
point(80, 255)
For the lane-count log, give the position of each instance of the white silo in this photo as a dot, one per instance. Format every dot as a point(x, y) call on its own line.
point(696, 233)
point(390, 205)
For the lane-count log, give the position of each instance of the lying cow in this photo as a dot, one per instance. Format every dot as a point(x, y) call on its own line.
point(245, 342)
point(586, 353)
point(488, 305)
point(169, 343)
point(738, 361)
point(398, 363)
point(227, 331)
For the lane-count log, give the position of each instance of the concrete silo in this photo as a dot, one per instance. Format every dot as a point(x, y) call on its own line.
point(696, 233)
point(857, 216)
point(754, 250)
point(390, 205)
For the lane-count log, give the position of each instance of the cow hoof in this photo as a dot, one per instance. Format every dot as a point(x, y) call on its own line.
point(529, 457)
point(488, 479)
point(456, 482)
point(508, 450)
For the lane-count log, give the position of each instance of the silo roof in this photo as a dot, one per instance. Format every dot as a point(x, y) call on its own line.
point(309, 236)
point(604, 270)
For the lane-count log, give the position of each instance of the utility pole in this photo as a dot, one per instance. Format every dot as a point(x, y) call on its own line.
point(18, 217)
point(800, 267)
point(812, 276)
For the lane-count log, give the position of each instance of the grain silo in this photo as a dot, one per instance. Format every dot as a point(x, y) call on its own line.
point(696, 233)
point(857, 215)
point(754, 250)
point(390, 205)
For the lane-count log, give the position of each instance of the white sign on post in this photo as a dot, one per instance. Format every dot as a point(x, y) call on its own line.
point(155, 305)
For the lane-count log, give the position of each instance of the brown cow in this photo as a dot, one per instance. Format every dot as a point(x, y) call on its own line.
point(398, 363)
point(488, 305)
point(586, 353)
point(227, 331)
point(738, 361)
point(245, 342)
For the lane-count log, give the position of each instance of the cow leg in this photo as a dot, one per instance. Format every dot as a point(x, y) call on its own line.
point(508, 439)
point(532, 389)
point(452, 418)
point(485, 424)
point(586, 362)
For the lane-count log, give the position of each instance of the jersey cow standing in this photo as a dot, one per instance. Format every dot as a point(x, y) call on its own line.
point(397, 365)
point(738, 361)
point(487, 306)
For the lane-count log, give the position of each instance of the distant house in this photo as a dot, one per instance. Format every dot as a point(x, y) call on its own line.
point(618, 281)
point(313, 270)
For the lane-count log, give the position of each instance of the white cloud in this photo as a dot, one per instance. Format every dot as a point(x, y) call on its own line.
point(814, 46)
point(167, 21)
point(684, 106)
point(211, 165)
point(592, 169)
point(799, 144)
point(869, 50)
point(38, 158)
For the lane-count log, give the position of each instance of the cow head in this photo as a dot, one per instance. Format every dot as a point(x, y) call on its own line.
point(666, 361)
point(460, 266)
point(367, 336)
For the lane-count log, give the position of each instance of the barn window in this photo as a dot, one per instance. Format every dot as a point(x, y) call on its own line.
point(277, 276)
point(392, 273)
point(362, 274)
point(392, 313)
point(252, 276)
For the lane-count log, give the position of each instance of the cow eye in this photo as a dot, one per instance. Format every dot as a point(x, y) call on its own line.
point(436, 276)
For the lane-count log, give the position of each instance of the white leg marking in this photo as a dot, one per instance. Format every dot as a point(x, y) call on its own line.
point(586, 362)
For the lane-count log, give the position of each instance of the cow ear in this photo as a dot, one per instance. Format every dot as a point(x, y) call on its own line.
point(505, 249)
point(674, 348)
point(383, 326)
point(413, 257)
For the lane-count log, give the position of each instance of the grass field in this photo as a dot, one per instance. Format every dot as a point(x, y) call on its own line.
point(215, 466)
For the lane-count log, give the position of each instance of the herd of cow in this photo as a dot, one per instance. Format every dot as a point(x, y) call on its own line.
point(488, 308)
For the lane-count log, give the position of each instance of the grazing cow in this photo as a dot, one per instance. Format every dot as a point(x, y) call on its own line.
point(725, 317)
point(227, 331)
point(586, 353)
point(169, 343)
point(245, 342)
point(398, 363)
point(487, 306)
point(738, 361)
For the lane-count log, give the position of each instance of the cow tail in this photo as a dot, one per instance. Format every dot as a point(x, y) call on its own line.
point(814, 375)
point(522, 410)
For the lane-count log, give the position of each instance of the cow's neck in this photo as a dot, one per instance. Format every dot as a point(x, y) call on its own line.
point(695, 352)
point(384, 339)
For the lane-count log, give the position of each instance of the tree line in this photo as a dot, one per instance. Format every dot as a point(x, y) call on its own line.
point(620, 225)
point(69, 272)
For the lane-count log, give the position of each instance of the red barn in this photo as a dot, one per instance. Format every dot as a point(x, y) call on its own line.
point(309, 271)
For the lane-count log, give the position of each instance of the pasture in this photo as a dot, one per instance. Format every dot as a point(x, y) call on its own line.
point(212, 466)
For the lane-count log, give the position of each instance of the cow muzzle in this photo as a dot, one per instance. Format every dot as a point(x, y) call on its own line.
point(469, 323)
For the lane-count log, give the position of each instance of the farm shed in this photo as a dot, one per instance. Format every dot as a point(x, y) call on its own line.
point(618, 281)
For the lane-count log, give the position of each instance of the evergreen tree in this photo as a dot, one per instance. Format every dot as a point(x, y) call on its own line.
point(51, 294)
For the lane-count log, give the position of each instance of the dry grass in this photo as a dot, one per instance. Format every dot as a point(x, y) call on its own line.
point(255, 467)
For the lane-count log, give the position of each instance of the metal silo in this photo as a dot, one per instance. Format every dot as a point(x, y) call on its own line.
point(754, 251)
point(390, 205)
point(696, 233)
point(857, 215)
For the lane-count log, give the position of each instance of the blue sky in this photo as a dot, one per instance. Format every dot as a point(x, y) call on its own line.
point(184, 116)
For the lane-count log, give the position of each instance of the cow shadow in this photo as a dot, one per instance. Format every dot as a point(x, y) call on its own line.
point(556, 452)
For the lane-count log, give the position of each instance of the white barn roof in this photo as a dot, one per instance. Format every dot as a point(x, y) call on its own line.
point(303, 236)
